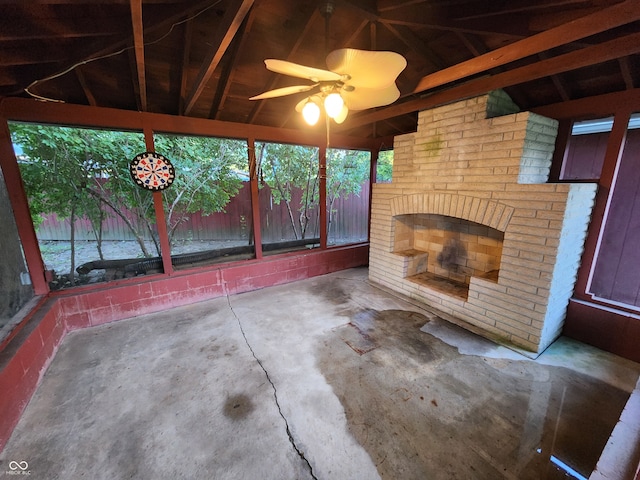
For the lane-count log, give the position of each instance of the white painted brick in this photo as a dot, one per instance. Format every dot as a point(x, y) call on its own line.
point(504, 325)
point(473, 170)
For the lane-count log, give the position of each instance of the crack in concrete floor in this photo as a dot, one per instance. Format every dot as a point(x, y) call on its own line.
point(275, 393)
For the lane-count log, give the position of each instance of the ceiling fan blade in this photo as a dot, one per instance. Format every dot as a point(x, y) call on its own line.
point(367, 69)
point(281, 92)
point(363, 98)
point(300, 71)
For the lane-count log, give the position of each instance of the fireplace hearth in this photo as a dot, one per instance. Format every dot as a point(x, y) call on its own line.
point(470, 227)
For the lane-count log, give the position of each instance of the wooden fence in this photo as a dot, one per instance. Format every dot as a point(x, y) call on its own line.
point(349, 221)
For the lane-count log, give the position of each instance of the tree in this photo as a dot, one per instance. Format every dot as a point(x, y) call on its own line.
point(207, 175)
point(347, 170)
point(77, 172)
point(385, 166)
point(286, 168)
point(60, 173)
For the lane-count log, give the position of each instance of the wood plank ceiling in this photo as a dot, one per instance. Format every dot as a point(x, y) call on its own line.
point(205, 58)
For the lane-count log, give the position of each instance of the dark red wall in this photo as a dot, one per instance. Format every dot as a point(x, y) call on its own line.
point(609, 329)
point(585, 157)
point(612, 324)
point(616, 273)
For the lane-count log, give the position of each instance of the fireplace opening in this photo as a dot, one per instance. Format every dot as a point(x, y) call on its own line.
point(444, 252)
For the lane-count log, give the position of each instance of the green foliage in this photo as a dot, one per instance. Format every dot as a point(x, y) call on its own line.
point(288, 167)
point(347, 170)
point(385, 166)
point(284, 167)
point(207, 174)
point(65, 169)
point(87, 172)
point(59, 166)
point(71, 169)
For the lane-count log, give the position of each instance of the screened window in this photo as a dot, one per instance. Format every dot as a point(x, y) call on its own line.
point(93, 224)
point(15, 282)
point(288, 196)
point(347, 196)
point(208, 207)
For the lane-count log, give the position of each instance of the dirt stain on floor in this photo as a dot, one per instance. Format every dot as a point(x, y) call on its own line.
point(238, 407)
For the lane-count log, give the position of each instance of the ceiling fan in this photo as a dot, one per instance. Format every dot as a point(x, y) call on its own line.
point(355, 80)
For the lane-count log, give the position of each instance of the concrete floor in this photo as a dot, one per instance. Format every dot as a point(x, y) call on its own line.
point(327, 378)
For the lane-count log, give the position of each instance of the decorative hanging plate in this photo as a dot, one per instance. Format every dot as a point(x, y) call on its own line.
point(152, 171)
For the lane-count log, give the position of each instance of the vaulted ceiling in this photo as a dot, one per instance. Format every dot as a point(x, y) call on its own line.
point(205, 58)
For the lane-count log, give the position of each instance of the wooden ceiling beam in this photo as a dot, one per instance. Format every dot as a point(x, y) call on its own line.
point(523, 6)
point(90, 54)
point(12, 57)
point(605, 19)
point(373, 35)
point(131, 58)
point(385, 6)
point(587, 56)
point(416, 44)
point(229, 25)
point(625, 70)
point(16, 32)
point(314, 17)
point(557, 81)
point(592, 107)
point(395, 124)
point(545, 21)
point(223, 91)
point(163, 26)
point(352, 38)
point(515, 30)
point(138, 44)
point(368, 12)
point(475, 46)
point(85, 87)
point(225, 84)
point(184, 77)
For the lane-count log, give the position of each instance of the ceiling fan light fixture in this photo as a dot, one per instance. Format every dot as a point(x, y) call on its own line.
point(311, 112)
point(361, 79)
point(342, 115)
point(333, 104)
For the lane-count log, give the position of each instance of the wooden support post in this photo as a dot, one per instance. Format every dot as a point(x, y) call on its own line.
point(161, 223)
point(373, 169)
point(322, 172)
point(20, 206)
point(255, 201)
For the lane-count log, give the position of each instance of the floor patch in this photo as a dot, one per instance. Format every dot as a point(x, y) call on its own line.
point(357, 340)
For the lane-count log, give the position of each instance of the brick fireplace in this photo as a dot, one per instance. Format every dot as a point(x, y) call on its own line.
point(470, 227)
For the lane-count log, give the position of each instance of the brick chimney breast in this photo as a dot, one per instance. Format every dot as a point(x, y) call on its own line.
point(480, 168)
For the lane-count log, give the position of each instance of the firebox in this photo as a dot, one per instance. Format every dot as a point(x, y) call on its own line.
point(471, 228)
point(446, 252)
